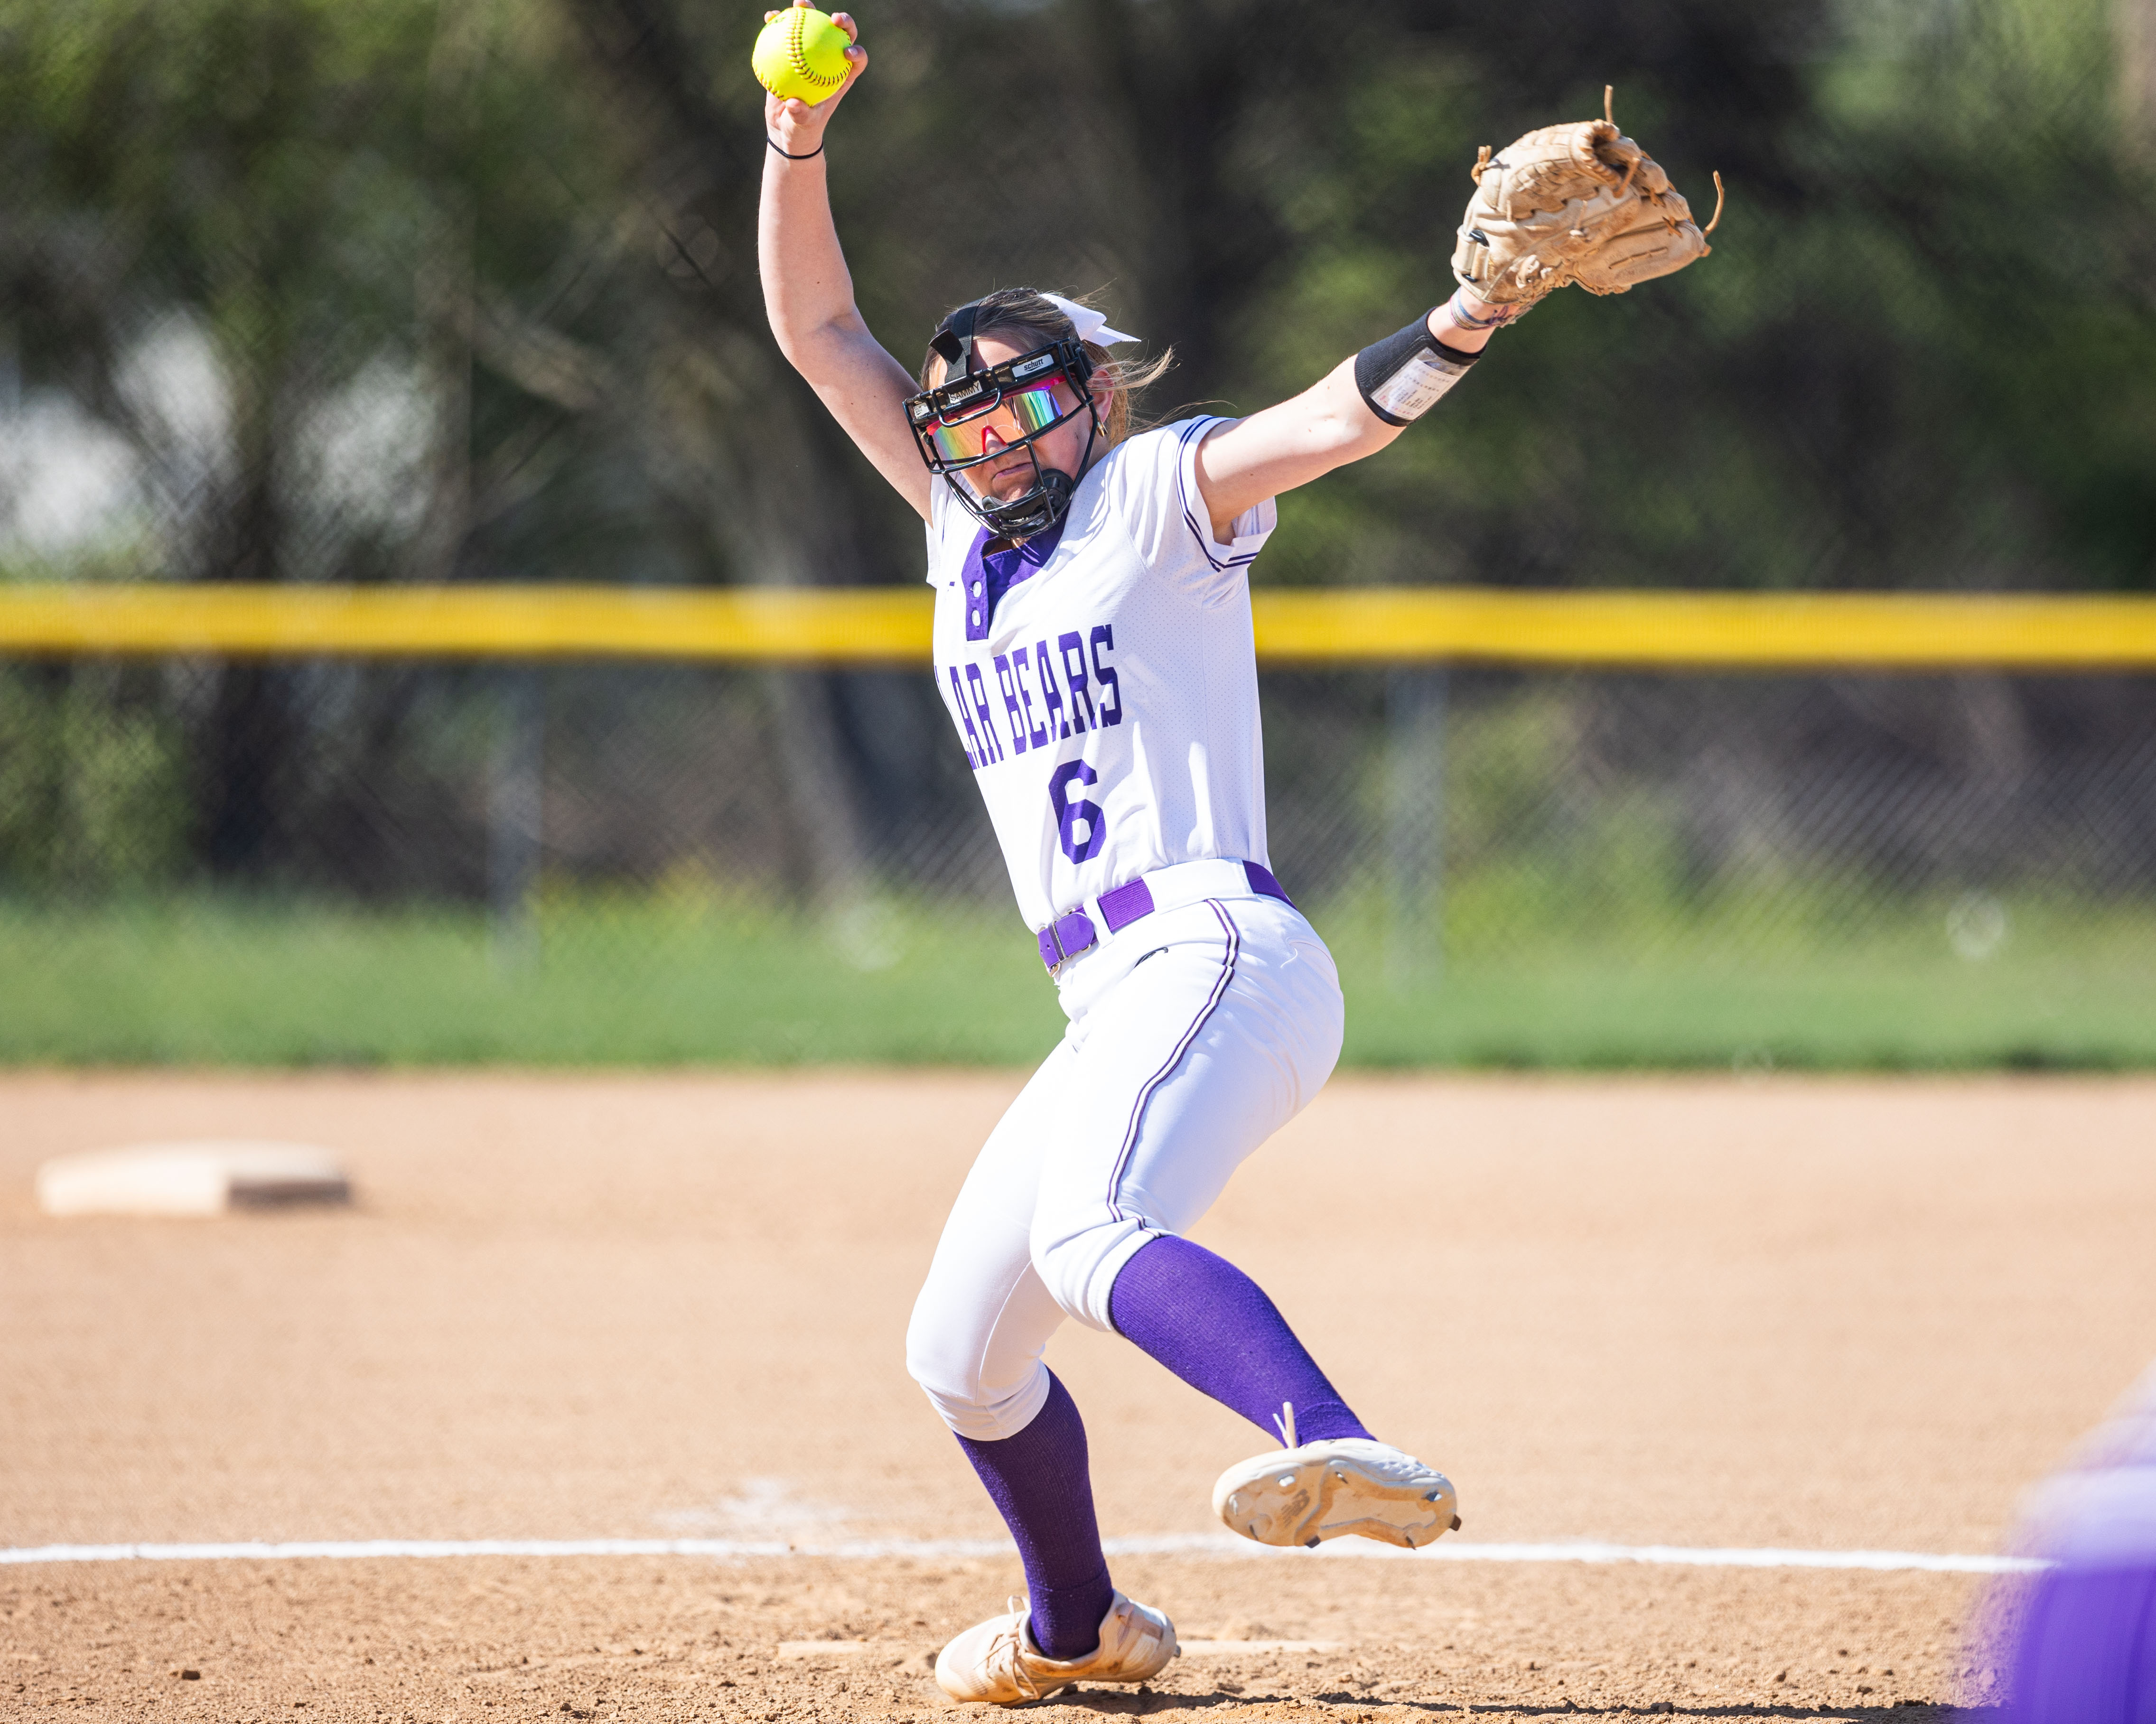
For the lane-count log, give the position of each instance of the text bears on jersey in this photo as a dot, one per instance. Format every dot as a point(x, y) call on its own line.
point(1047, 692)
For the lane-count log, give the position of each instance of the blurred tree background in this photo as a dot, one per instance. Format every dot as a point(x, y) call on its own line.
point(465, 290)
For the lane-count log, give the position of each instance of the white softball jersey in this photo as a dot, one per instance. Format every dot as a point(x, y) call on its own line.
point(1108, 700)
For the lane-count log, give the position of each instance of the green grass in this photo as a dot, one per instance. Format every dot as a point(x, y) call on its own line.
point(1774, 977)
point(1821, 1015)
point(658, 980)
point(634, 981)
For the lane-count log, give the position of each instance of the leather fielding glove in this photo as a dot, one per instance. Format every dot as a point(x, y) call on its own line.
point(1578, 202)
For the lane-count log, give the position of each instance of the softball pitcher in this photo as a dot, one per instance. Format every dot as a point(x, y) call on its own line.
point(1093, 644)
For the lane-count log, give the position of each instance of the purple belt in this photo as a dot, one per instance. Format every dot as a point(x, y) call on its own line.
point(1068, 935)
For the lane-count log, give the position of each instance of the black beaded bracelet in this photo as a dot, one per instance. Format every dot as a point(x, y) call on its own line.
point(806, 157)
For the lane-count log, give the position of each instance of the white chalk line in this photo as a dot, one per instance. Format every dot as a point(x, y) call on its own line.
point(1197, 1544)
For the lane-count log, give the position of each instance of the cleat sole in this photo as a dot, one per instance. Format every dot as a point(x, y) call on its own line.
point(1323, 1494)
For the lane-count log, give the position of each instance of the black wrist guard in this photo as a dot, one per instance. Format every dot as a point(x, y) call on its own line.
point(1405, 376)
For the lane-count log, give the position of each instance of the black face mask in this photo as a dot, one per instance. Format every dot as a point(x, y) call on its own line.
point(968, 393)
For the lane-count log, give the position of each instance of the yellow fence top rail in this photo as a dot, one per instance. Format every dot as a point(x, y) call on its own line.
point(891, 626)
point(1738, 630)
point(750, 624)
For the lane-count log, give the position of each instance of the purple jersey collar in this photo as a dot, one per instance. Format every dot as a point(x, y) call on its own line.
point(987, 575)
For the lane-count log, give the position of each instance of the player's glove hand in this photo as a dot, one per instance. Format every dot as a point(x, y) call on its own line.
point(1576, 202)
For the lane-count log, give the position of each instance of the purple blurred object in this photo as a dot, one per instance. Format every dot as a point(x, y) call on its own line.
point(2086, 1647)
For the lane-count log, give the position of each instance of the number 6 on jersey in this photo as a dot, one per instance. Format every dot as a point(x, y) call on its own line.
point(1070, 814)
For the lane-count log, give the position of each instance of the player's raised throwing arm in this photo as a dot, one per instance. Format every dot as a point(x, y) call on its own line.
point(809, 292)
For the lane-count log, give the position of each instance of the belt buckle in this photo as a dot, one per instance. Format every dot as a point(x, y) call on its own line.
point(1050, 938)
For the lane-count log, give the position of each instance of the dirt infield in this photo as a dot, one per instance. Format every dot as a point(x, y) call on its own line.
point(1821, 1314)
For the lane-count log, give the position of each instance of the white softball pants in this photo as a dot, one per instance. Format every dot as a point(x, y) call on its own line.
point(1195, 1034)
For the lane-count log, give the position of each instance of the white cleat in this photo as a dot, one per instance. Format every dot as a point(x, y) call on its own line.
point(1327, 1490)
point(995, 1663)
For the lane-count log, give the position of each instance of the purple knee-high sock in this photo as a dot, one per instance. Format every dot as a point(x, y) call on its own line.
point(1041, 1485)
point(1213, 1327)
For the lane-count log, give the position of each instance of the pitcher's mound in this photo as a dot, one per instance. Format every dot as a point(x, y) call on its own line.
point(203, 1179)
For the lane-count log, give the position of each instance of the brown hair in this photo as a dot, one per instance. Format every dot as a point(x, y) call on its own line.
point(1022, 312)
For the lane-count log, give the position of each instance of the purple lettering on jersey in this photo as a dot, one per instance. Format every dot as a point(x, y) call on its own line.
point(1010, 702)
point(973, 755)
point(1104, 675)
point(1072, 646)
point(1037, 734)
point(981, 707)
point(1051, 698)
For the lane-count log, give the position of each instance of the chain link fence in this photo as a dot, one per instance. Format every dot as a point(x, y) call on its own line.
point(1513, 866)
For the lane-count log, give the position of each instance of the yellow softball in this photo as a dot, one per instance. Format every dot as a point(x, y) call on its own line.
point(801, 53)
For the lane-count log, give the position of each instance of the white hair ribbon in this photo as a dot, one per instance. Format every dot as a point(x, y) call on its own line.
point(1091, 326)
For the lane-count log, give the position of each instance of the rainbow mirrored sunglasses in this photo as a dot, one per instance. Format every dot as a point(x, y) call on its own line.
point(1013, 417)
point(1016, 400)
